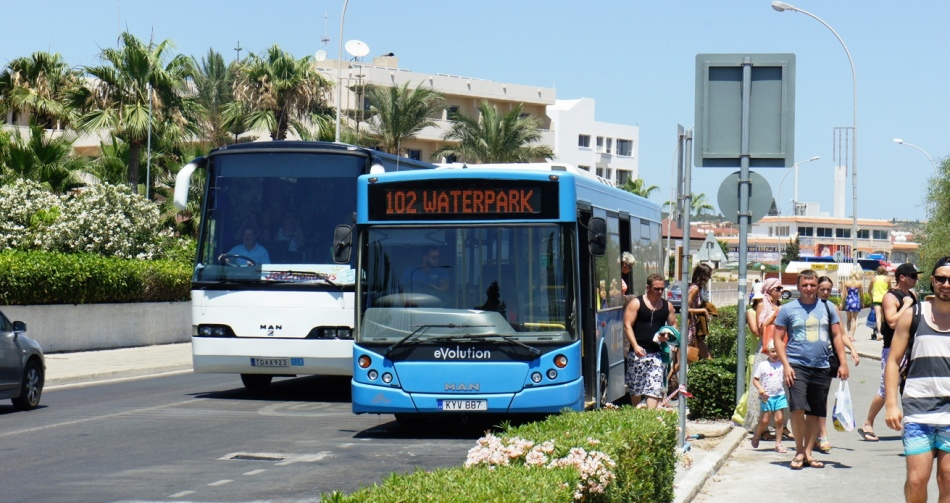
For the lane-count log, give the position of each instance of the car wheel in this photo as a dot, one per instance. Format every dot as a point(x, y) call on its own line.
point(256, 382)
point(786, 294)
point(31, 388)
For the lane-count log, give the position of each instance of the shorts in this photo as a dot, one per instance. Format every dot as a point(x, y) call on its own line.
point(884, 353)
point(924, 438)
point(644, 376)
point(875, 304)
point(809, 392)
point(774, 403)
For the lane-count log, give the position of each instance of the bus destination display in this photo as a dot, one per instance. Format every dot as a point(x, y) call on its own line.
point(463, 199)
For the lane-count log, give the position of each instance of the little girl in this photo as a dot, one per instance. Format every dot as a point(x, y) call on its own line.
point(767, 378)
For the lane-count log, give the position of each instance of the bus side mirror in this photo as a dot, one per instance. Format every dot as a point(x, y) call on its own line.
point(342, 243)
point(597, 236)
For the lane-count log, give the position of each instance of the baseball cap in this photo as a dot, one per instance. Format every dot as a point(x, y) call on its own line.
point(906, 270)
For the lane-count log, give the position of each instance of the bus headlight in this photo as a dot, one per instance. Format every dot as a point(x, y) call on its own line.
point(214, 331)
point(387, 378)
point(552, 374)
point(372, 375)
point(560, 361)
point(536, 377)
point(364, 361)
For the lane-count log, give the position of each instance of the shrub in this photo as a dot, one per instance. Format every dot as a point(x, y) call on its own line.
point(640, 443)
point(713, 386)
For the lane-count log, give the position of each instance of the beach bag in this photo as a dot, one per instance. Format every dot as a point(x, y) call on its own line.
point(872, 320)
point(768, 333)
point(843, 412)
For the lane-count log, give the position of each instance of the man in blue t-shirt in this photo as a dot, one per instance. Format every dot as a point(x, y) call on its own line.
point(249, 248)
point(430, 277)
point(808, 325)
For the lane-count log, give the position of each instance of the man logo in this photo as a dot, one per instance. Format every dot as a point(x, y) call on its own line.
point(270, 329)
point(474, 386)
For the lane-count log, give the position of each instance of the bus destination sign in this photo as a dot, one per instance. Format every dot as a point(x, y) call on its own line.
point(463, 199)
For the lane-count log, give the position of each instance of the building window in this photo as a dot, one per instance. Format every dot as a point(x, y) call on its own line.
point(610, 144)
point(585, 168)
point(414, 153)
point(882, 235)
point(806, 231)
point(824, 232)
point(600, 172)
point(864, 234)
point(625, 147)
point(623, 176)
point(583, 140)
point(842, 233)
point(451, 158)
point(452, 113)
point(600, 143)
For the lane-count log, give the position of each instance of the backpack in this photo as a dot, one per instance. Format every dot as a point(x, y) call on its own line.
point(906, 360)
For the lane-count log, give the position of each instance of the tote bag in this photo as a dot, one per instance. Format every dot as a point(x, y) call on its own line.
point(844, 414)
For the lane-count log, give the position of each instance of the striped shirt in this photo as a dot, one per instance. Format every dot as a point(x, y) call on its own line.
point(926, 398)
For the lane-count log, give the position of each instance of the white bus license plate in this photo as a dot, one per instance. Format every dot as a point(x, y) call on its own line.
point(463, 405)
point(270, 362)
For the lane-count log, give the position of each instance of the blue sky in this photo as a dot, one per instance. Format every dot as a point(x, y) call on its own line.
point(635, 58)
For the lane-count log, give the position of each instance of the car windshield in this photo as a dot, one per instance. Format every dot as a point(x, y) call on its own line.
point(510, 280)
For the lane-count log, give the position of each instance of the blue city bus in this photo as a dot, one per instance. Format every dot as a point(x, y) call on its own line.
point(487, 290)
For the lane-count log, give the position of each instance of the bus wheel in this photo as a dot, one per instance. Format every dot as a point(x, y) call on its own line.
point(256, 382)
point(602, 378)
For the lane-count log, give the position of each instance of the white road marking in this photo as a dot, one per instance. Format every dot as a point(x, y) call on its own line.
point(105, 416)
point(220, 483)
point(255, 472)
point(181, 494)
point(85, 384)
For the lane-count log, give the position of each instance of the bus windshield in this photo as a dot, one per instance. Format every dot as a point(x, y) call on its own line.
point(467, 282)
point(270, 217)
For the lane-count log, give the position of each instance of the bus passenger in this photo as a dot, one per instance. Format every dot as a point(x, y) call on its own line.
point(642, 319)
point(430, 278)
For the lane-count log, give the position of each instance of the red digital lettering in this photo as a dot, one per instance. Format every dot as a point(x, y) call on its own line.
point(489, 200)
point(502, 202)
point(526, 201)
point(429, 205)
point(443, 206)
point(478, 197)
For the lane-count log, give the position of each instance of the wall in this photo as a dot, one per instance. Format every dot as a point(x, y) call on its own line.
point(83, 327)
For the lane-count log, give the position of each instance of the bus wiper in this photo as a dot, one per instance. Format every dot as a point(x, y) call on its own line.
point(423, 328)
point(534, 351)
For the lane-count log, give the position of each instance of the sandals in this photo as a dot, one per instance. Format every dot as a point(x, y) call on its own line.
point(824, 445)
point(814, 463)
point(797, 463)
point(868, 435)
point(780, 449)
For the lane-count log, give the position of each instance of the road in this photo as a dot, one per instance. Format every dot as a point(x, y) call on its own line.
point(191, 437)
point(855, 470)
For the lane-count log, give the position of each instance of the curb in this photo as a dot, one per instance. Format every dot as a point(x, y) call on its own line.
point(115, 374)
point(700, 472)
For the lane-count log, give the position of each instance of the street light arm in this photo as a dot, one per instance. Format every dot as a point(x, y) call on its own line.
point(922, 151)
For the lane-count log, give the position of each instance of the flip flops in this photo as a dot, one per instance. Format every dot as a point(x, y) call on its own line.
point(797, 463)
point(814, 463)
point(868, 436)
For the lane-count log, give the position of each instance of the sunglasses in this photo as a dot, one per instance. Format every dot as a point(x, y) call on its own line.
point(778, 289)
point(658, 289)
point(941, 280)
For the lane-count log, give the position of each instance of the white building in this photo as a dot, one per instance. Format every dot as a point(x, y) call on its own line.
point(609, 150)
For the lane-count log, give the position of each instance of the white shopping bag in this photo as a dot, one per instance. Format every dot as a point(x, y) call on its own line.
point(843, 414)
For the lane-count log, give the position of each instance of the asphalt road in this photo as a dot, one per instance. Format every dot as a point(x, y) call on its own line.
point(193, 437)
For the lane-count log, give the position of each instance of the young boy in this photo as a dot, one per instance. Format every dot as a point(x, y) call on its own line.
point(767, 378)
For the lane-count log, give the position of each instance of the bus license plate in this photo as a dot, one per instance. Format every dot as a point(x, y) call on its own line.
point(462, 405)
point(270, 362)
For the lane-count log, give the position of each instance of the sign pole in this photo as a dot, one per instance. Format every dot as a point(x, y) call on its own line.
point(745, 217)
point(685, 197)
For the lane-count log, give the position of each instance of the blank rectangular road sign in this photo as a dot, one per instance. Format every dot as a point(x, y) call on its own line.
point(718, 130)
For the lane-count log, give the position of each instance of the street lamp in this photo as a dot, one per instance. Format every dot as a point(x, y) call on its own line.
point(781, 7)
point(339, 75)
point(795, 169)
point(902, 142)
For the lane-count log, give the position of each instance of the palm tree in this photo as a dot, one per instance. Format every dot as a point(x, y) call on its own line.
point(118, 98)
point(700, 205)
point(495, 138)
point(399, 114)
point(45, 159)
point(279, 92)
point(213, 82)
point(38, 84)
point(637, 187)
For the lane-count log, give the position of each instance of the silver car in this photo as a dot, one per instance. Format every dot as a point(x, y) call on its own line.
point(22, 365)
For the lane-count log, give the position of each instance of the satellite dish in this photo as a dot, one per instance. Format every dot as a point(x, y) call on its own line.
point(320, 55)
point(356, 48)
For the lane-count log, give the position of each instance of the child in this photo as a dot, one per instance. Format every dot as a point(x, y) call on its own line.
point(767, 378)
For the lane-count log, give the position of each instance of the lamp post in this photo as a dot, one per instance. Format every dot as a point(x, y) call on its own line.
point(781, 7)
point(148, 155)
point(932, 162)
point(795, 169)
point(339, 75)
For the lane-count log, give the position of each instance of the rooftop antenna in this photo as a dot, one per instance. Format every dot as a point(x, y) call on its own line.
point(356, 48)
point(238, 50)
point(326, 37)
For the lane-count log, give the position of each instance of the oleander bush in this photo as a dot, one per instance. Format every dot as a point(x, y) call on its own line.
point(607, 455)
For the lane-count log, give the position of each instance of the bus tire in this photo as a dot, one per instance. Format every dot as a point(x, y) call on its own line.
point(602, 380)
point(256, 382)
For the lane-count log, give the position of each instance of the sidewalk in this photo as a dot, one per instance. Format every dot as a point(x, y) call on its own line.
point(91, 366)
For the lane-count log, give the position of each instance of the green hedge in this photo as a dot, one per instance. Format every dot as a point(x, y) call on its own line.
point(641, 442)
point(31, 278)
point(713, 386)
